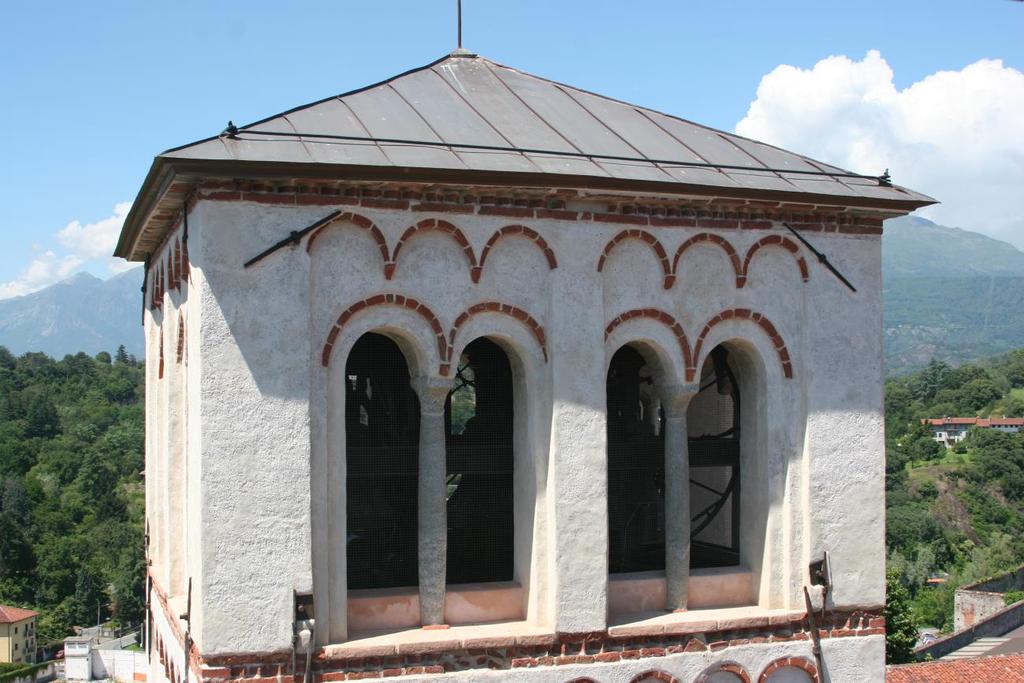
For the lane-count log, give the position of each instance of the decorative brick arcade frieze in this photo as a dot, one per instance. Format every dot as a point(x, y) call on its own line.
point(433, 225)
point(671, 269)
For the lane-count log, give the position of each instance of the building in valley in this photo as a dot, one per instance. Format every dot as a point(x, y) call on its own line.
point(470, 372)
point(17, 635)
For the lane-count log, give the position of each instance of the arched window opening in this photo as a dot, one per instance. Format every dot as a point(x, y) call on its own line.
point(478, 431)
point(713, 425)
point(382, 425)
point(636, 467)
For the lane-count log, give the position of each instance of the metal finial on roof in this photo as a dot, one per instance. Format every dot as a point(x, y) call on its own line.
point(458, 7)
point(231, 131)
point(885, 179)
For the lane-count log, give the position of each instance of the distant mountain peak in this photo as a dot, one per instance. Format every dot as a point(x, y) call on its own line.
point(79, 277)
point(913, 246)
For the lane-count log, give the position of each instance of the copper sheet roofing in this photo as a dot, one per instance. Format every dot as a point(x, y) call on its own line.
point(10, 615)
point(466, 118)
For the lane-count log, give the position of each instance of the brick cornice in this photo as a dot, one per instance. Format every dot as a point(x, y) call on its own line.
point(722, 214)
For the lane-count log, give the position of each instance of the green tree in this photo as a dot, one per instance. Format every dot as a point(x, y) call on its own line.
point(926, 383)
point(977, 394)
point(900, 626)
point(90, 597)
point(933, 605)
point(129, 585)
point(41, 417)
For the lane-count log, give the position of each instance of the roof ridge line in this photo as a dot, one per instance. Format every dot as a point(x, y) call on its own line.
point(356, 91)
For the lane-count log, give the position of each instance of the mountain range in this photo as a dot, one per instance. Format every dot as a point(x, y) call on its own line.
point(949, 293)
point(81, 313)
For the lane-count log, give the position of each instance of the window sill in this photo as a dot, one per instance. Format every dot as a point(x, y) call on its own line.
point(432, 639)
point(655, 623)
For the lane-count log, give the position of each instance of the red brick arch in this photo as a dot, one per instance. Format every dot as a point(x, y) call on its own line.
point(180, 355)
point(795, 662)
point(773, 241)
point(661, 317)
point(158, 285)
point(431, 225)
point(656, 675)
point(186, 267)
point(361, 222)
point(648, 239)
point(730, 667)
point(398, 300)
point(175, 256)
point(514, 231)
point(502, 309)
point(710, 238)
point(742, 314)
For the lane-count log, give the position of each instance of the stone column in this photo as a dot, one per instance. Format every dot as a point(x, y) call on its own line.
point(432, 515)
point(675, 399)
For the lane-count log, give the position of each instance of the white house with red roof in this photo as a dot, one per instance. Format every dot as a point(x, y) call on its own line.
point(952, 430)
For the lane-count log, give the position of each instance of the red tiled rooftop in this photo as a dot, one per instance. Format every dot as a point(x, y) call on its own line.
point(980, 422)
point(9, 615)
point(1005, 669)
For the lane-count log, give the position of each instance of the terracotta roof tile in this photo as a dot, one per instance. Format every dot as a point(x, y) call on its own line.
point(9, 615)
point(1005, 669)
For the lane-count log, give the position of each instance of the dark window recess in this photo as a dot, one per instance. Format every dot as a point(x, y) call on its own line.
point(636, 468)
point(382, 426)
point(478, 430)
point(713, 424)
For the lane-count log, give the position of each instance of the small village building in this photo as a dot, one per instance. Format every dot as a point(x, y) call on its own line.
point(952, 430)
point(473, 373)
point(17, 635)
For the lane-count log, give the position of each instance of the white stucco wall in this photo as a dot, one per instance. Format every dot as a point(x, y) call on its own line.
point(264, 456)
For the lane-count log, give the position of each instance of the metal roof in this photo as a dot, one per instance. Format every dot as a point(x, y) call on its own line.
point(465, 116)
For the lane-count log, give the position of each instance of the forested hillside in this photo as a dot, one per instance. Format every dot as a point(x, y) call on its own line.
point(71, 492)
point(949, 294)
point(958, 512)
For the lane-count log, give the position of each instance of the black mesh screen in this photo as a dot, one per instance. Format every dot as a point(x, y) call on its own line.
point(382, 426)
point(478, 418)
point(713, 423)
point(636, 469)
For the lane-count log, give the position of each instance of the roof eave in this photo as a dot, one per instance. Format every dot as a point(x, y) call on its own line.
point(166, 168)
point(157, 180)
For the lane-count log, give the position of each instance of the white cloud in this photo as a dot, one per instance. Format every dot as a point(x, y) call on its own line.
point(95, 240)
point(955, 135)
point(88, 245)
point(44, 270)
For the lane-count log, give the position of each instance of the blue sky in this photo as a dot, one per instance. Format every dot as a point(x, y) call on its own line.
point(92, 91)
